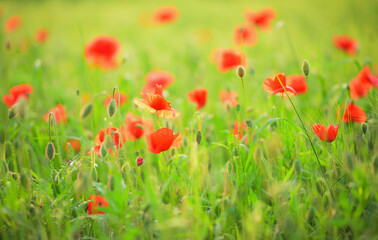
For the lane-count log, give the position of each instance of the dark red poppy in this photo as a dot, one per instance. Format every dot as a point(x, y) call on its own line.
point(166, 14)
point(12, 23)
point(156, 103)
point(346, 44)
point(238, 130)
point(21, 90)
point(298, 83)
point(245, 35)
point(228, 58)
point(162, 140)
point(98, 203)
point(59, 112)
point(325, 133)
point(75, 144)
point(261, 18)
point(198, 96)
point(123, 98)
point(229, 98)
point(113, 133)
point(353, 113)
point(274, 86)
point(41, 35)
point(162, 78)
point(361, 85)
point(139, 161)
point(102, 51)
point(136, 127)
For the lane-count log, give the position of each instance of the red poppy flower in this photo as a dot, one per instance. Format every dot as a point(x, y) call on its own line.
point(162, 78)
point(12, 23)
point(229, 98)
point(166, 14)
point(325, 134)
point(237, 126)
point(228, 58)
point(139, 161)
point(245, 35)
point(261, 18)
point(98, 203)
point(123, 98)
point(162, 140)
point(298, 83)
point(21, 90)
point(346, 44)
point(136, 127)
point(75, 144)
point(273, 86)
point(100, 138)
point(361, 85)
point(198, 96)
point(59, 112)
point(41, 35)
point(156, 103)
point(102, 51)
point(353, 113)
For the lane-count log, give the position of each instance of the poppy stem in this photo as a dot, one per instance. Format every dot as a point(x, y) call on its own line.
point(52, 120)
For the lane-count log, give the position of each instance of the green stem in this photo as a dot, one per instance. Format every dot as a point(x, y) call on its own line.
point(56, 137)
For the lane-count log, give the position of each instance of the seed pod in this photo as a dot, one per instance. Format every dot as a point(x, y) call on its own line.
point(50, 151)
point(240, 71)
point(298, 167)
point(103, 151)
point(306, 68)
point(86, 110)
point(12, 113)
point(108, 143)
point(364, 127)
point(139, 161)
point(199, 137)
point(112, 108)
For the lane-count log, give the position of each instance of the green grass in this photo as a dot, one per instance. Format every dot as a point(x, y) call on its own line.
point(270, 188)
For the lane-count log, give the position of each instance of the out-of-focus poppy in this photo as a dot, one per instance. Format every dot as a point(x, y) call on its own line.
point(156, 103)
point(245, 35)
point(41, 35)
point(12, 23)
point(98, 203)
point(325, 133)
point(260, 18)
point(298, 83)
point(136, 127)
point(139, 161)
point(229, 98)
point(59, 112)
point(273, 86)
point(198, 96)
point(75, 144)
point(165, 14)
point(353, 113)
point(162, 78)
point(162, 140)
point(361, 85)
point(102, 51)
point(21, 90)
point(238, 130)
point(114, 135)
point(228, 58)
point(346, 44)
point(123, 98)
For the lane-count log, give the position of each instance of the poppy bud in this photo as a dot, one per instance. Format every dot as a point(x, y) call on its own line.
point(112, 108)
point(311, 215)
point(240, 71)
point(298, 167)
point(86, 110)
point(103, 151)
point(364, 127)
point(12, 112)
point(375, 164)
point(235, 151)
point(306, 68)
point(108, 143)
point(199, 137)
point(50, 151)
point(249, 123)
point(136, 153)
point(237, 108)
point(78, 92)
point(139, 161)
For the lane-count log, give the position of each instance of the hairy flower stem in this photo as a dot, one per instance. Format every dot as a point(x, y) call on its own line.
point(52, 120)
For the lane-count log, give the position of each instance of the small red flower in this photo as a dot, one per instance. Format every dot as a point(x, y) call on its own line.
point(162, 140)
point(238, 130)
point(198, 96)
point(361, 85)
point(346, 44)
point(102, 51)
point(123, 98)
point(162, 78)
point(21, 90)
point(229, 98)
point(228, 58)
point(165, 14)
point(261, 18)
point(156, 103)
point(41, 35)
point(12, 23)
point(136, 127)
point(245, 35)
point(100, 138)
point(325, 134)
point(59, 112)
point(75, 144)
point(98, 203)
point(353, 113)
point(139, 161)
point(273, 86)
point(298, 83)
